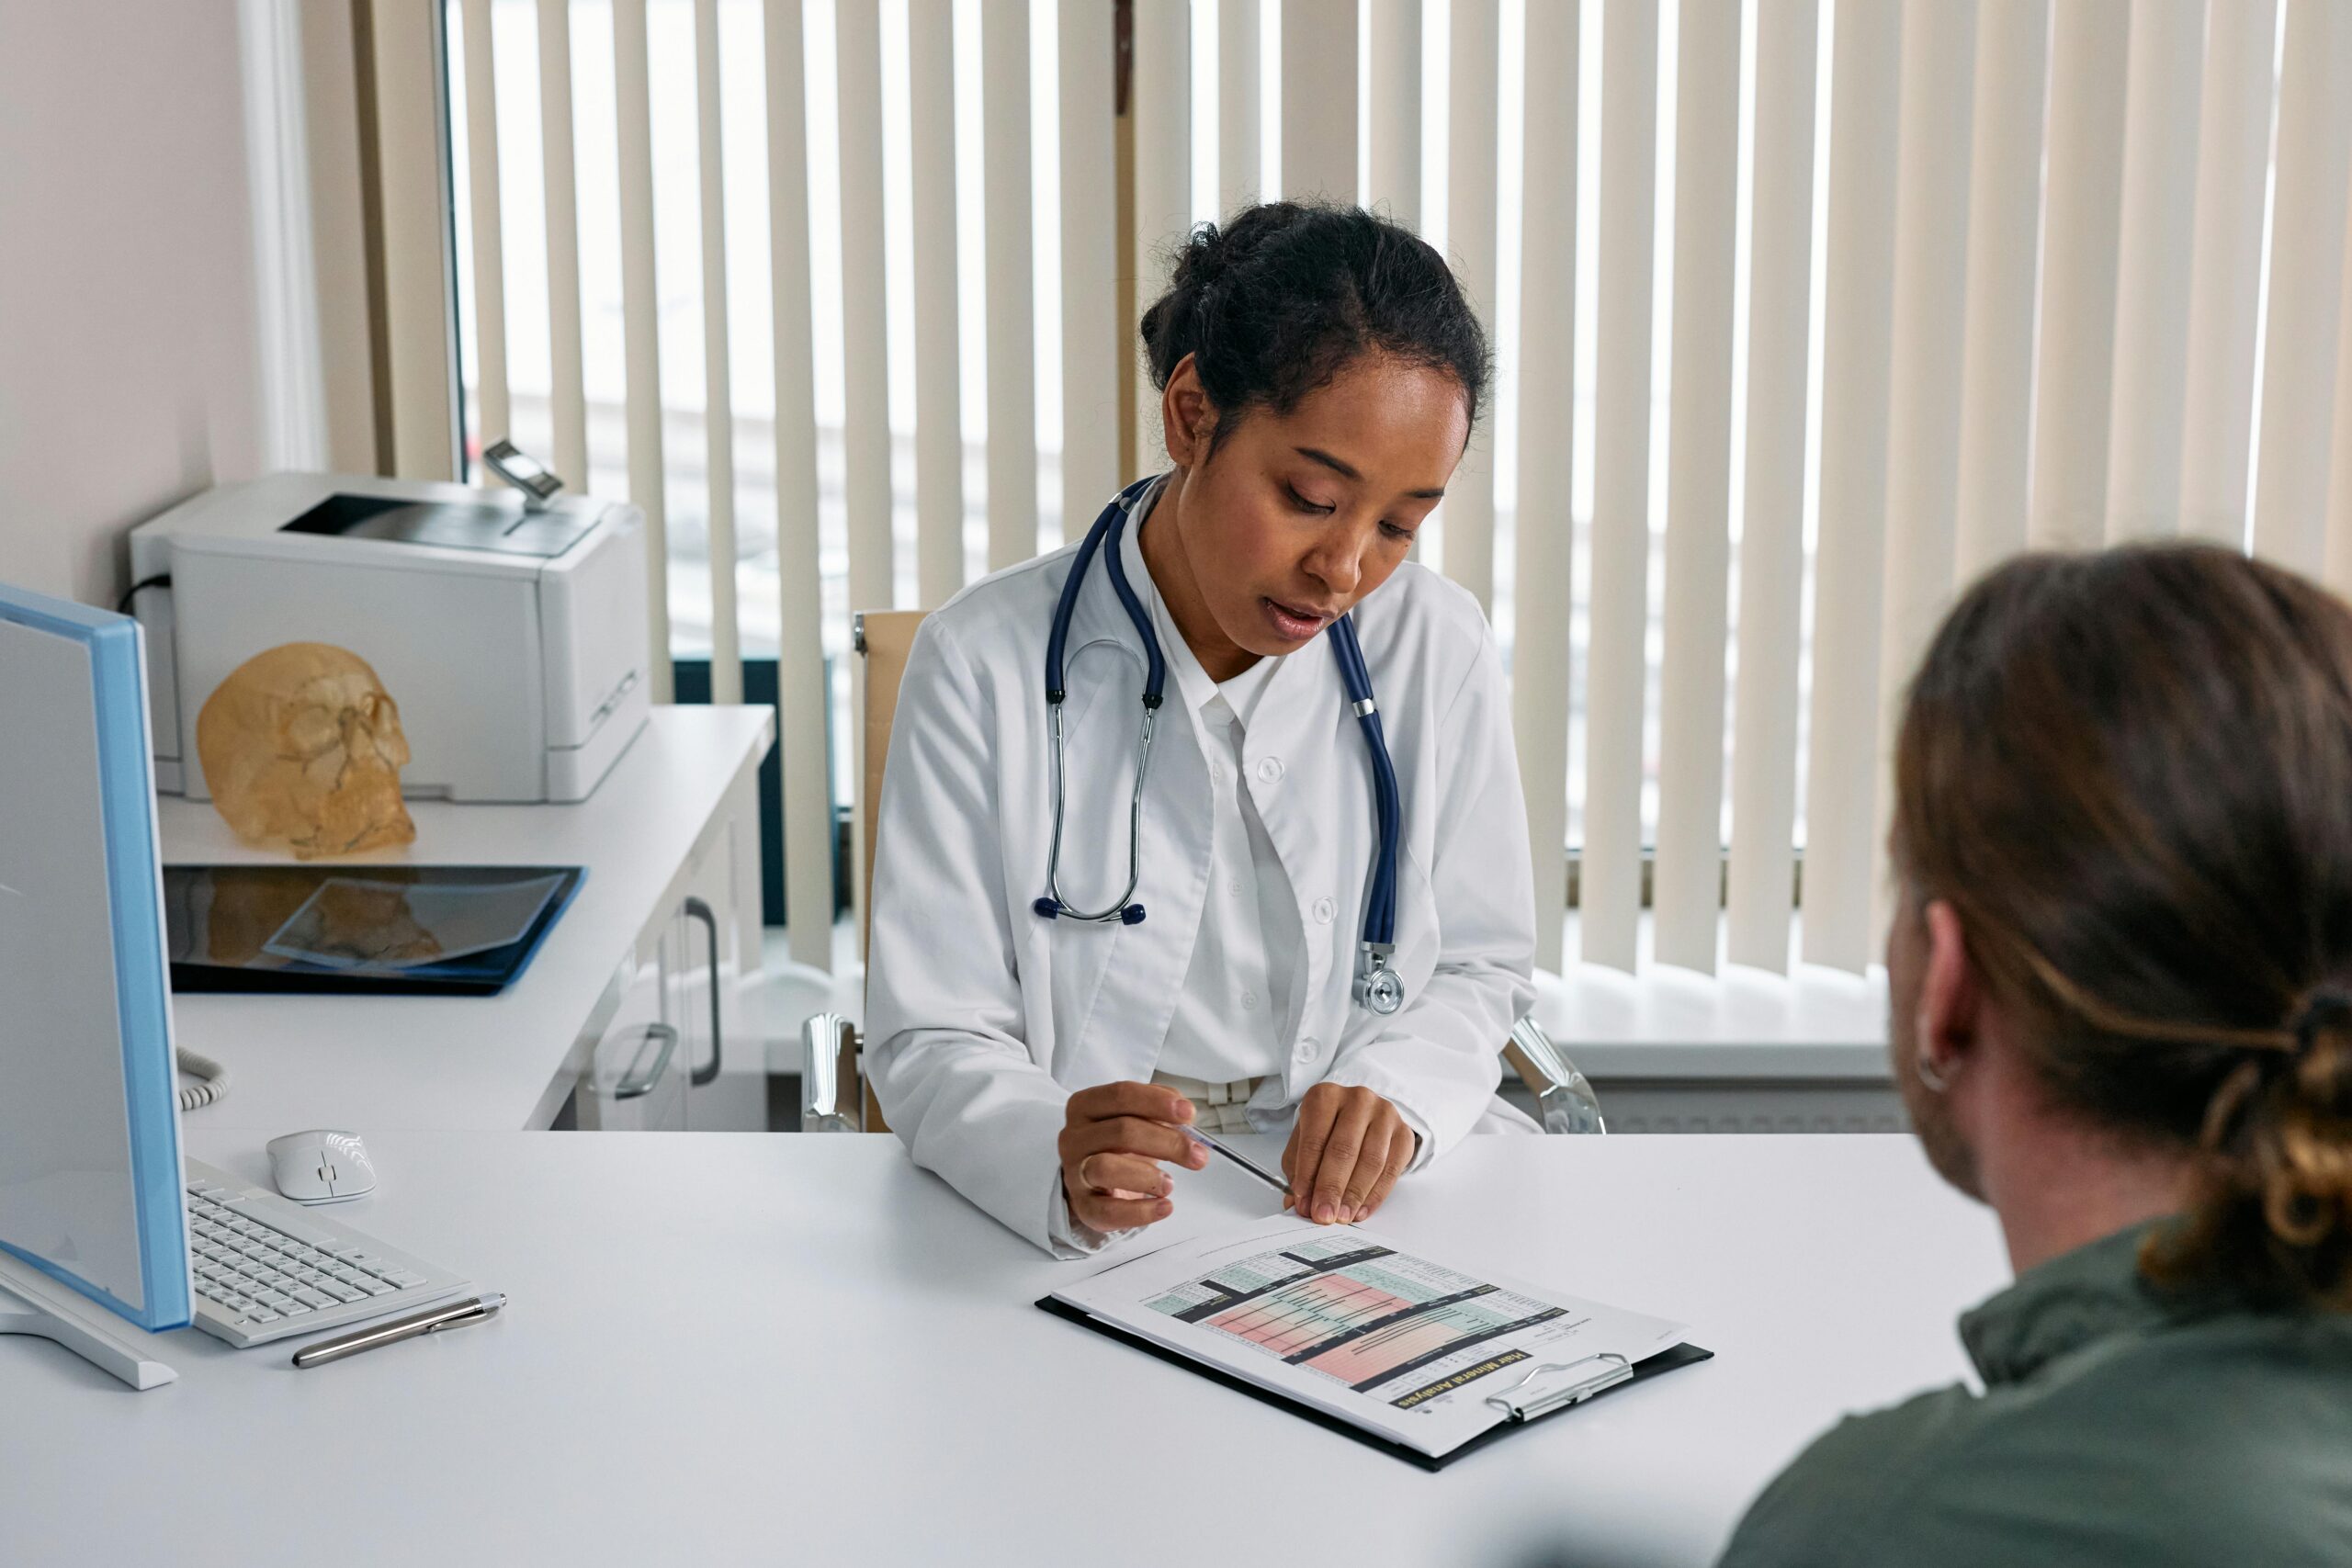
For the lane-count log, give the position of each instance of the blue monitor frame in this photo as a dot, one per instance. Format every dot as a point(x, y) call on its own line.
point(115, 646)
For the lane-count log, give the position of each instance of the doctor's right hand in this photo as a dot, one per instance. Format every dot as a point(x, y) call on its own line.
point(1115, 1136)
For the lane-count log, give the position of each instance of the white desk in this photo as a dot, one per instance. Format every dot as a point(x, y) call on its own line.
point(504, 1062)
point(776, 1348)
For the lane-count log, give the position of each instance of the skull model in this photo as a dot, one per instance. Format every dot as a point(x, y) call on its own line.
point(301, 746)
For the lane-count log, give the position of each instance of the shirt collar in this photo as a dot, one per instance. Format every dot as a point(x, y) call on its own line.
point(2076, 1298)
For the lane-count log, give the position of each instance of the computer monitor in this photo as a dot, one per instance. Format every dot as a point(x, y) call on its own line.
point(91, 1205)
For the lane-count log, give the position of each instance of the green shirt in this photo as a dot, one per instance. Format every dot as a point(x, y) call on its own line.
point(2118, 1424)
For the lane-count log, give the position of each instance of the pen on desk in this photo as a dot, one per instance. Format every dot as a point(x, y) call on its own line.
point(1252, 1167)
point(432, 1320)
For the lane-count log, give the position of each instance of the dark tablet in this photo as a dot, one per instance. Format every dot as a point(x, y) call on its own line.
point(446, 931)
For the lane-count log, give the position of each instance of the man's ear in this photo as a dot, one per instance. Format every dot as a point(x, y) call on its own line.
point(1186, 415)
point(1952, 992)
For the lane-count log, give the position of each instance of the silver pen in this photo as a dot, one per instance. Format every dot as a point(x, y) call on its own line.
point(432, 1320)
point(1252, 1167)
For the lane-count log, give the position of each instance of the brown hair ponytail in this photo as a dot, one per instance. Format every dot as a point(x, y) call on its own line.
point(2131, 776)
point(2274, 1200)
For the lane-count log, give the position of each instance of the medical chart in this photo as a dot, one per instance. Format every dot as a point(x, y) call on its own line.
point(1355, 1325)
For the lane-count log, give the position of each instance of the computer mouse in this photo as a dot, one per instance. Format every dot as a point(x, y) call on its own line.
point(322, 1167)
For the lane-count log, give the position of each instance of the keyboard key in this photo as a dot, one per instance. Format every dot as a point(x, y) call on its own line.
point(343, 1292)
point(403, 1278)
point(258, 1313)
point(311, 1298)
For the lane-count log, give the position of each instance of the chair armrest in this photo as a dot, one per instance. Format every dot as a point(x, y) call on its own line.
point(830, 1097)
point(1566, 1100)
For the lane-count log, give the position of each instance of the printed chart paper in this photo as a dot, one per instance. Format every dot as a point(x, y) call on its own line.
point(1353, 1323)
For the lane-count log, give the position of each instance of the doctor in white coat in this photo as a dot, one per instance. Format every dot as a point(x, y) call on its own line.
point(1320, 375)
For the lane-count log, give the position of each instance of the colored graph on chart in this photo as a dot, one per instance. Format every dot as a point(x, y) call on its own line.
point(1300, 1316)
point(1414, 1340)
point(1359, 1316)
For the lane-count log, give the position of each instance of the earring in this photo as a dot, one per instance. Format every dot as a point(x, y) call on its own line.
point(1933, 1078)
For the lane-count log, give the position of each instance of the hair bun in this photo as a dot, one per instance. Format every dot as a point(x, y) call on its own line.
point(1275, 302)
point(1203, 259)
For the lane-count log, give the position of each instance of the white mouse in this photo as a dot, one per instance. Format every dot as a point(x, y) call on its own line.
point(322, 1167)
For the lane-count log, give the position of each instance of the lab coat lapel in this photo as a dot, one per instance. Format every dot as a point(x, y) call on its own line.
point(1141, 967)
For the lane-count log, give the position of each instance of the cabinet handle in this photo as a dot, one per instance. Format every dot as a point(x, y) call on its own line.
point(696, 909)
point(635, 1084)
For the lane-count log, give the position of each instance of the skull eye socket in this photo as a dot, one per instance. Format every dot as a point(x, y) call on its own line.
point(313, 731)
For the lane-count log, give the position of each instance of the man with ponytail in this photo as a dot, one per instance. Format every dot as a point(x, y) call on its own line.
point(2121, 979)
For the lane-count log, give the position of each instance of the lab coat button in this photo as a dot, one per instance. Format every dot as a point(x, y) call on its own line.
point(1307, 1047)
point(1271, 770)
point(1248, 999)
point(1324, 910)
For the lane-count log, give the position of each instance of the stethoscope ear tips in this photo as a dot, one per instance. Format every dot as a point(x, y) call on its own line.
point(1047, 908)
point(1131, 915)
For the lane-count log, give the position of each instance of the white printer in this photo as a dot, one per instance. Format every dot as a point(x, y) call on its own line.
point(510, 629)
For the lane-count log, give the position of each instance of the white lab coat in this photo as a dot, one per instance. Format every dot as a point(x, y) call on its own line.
point(982, 1017)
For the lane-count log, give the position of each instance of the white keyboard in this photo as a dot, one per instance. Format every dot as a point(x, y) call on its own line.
point(265, 1268)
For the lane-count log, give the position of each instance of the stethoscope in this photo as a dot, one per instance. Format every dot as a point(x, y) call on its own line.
point(1377, 985)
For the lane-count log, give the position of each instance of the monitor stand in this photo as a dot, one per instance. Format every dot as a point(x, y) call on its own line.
point(31, 1303)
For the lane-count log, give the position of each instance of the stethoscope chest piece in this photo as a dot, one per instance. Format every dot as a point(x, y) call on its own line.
point(1377, 987)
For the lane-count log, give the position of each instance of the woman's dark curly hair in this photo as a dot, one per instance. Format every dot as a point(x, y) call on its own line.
point(1288, 294)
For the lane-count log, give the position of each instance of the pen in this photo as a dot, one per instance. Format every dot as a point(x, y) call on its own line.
point(1252, 1167)
point(432, 1320)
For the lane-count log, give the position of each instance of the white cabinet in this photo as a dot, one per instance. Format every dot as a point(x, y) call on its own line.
point(674, 1056)
point(676, 818)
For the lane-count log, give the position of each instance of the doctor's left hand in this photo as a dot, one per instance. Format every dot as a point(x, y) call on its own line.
point(1346, 1151)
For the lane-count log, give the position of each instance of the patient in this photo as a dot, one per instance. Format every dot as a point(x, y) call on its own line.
point(2121, 981)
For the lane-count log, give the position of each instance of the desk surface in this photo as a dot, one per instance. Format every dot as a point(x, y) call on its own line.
point(736, 1347)
point(504, 1062)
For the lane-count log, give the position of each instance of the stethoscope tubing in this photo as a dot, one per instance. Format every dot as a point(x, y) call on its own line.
point(1377, 987)
point(1380, 913)
point(1107, 529)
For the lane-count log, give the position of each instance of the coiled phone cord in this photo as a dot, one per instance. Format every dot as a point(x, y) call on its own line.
point(215, 1084)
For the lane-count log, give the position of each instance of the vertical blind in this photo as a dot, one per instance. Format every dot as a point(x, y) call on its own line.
point(1808, 313)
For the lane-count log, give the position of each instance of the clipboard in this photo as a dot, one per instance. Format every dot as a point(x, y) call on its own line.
point(1544, 1391)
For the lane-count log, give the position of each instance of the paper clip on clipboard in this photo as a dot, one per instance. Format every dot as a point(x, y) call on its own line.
point(1521, 1407)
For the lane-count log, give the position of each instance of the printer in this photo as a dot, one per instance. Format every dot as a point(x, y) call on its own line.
point(510, 628)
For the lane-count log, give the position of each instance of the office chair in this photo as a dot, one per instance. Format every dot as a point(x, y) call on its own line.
point(834, 1095)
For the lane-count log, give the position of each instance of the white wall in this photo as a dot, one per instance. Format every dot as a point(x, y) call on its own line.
point(128, 374)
